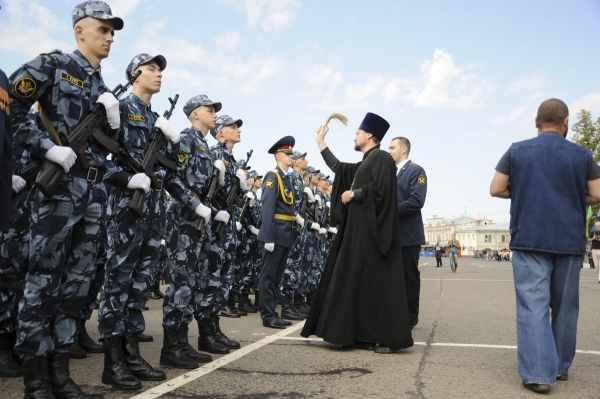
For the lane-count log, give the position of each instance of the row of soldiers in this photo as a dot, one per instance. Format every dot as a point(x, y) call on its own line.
point(90, 209)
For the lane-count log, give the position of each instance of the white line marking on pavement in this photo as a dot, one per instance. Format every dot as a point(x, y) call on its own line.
point(447, 345)
point(426, 263)
point(183, 379)
point(460, 279)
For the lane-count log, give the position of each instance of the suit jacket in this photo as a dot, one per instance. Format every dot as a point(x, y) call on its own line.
point(274, 229)
point(411, 192)
point(6, 154)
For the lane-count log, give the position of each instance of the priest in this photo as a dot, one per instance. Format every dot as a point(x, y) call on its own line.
point(361, 301)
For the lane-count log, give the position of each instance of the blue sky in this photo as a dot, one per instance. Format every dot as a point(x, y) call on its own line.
point(461, 79)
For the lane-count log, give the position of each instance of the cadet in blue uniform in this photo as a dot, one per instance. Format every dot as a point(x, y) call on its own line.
point(411, 191)
point(65, 229)
point(276, 230)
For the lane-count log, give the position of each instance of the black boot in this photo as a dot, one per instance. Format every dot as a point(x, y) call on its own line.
point(141, 337)
point(36, 380)
point(115, 371)
point(207, 341)
point(157, 289)
point(188, 350)
point(256, 300)
point(310, 298)
point(172, 353)
point(136, 363)
point(8, 367)
point(288, 312)
point(85, 342)
point(227, 311)
point(246, 305)
point(300, 306)
point(77, 352)
point(153, 294)
point(219, 336)
point(63, 386)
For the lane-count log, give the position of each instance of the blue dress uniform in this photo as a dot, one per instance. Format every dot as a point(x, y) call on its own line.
point(277, 222)
point(411, 192)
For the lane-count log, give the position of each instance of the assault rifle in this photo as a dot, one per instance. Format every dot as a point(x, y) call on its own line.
point(29, 172)
point(232, 199)
point(153, 154)
point(212, 186)
point(52, 173)
point(304, 210)
point(318, 216)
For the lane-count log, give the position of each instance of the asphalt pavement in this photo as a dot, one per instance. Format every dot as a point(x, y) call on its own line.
point(465, 347)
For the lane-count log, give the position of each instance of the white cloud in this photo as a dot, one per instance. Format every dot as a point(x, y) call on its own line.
point(31, 29)
point(273, 16)
point(500, 120)
point(228, 41)
point(530, 83)
point(391, 91)
point(356, 96)
point(323, 80)
point(123, 8)
point(443, 84)
point(589, 102)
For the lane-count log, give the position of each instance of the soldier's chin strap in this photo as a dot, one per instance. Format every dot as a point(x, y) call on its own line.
point(287, 198)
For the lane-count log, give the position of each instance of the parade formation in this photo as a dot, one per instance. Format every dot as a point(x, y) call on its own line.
point(108, 198)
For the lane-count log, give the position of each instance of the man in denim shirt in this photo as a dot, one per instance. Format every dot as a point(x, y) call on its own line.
point(547, 175)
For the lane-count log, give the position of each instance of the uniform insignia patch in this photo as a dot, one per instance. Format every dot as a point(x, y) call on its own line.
point(421, 180)
point(269, 183)
point(181, 158)
point(203, 149)
point(134, 117)
point(4, 101)
point(73, 80)
point(25, 87)
point(227, 164)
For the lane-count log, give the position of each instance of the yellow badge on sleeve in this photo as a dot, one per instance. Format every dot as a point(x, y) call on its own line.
point(181, 158)
point(269, 183)
point(25, 87)
point(421, 180)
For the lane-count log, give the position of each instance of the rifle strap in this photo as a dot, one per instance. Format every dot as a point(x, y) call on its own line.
point(48, 125)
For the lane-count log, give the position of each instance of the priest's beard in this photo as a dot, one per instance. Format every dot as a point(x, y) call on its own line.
point(356, 147)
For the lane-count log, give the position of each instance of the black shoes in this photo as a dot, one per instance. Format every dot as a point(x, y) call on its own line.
point(115, 371)
point(246, 304)
point(172, 353)
point(219, 336)
point(227, 311)
point(563, 377)
point(288, 312)
point(207, 341)
point(414, 322)
point(136, 363)
point(539, 388)
point(141, 337)
point(77, 352)
point(277, 323)
point(60, 379)
point(384, 350)
point(8, 367)
point(155, 292)
point(85, 341)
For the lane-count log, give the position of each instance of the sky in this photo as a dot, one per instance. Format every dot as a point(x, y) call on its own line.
point(460, 79)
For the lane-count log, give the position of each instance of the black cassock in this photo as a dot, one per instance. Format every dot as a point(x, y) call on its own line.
point(362, 293)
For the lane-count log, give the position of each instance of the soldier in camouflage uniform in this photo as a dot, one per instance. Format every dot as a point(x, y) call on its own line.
point(291, 303)
point(189, 244)
point(321, 199)
point(159, 270)
point(255, 247)
point(65, 229)
point(135, 239)
point(222, 248)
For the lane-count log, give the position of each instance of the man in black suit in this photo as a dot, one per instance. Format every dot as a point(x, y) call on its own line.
point(411, 192)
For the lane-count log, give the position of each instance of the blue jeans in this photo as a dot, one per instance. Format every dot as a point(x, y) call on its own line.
point(453, 260)
point(546, 282)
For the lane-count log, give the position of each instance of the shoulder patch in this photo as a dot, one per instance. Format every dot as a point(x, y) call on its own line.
point(25, 87)
point(421, 179)
point(71, 79)
point(181, 158)
point(269, 183)
point(227, 164)
point(134, 117)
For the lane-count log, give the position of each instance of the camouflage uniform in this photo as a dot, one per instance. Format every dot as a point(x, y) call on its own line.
point(135, 239)
point(65, 230)
point(188, 247)
point(247, 276)
point(310, 252)
point(321, 257)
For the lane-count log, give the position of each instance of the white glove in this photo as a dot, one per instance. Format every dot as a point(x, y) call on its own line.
point(238, 226)
point(139, 180)
point(242, 176)
point(254, 230)
point(322, 231)
point(203, 211)
point(222, 216)
point(18, 183)
point(111, 104)
point(309, 194)
point(64, 156)
point(221, 167)
point(318, 199)
point(168, 129)
point(270, 246)
point(328, 204)
point(333, 230)
point(250, 195)
point(315, 226)
point(300, 220)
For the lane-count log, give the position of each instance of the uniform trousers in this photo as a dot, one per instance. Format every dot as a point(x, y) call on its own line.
point(412, 276)
point(270, 278)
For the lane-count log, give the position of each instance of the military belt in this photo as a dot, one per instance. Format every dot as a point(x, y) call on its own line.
point(288, 218)
point(93, 175)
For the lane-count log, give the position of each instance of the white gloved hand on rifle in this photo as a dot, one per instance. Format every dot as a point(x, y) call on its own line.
point(168, 129)
point(333, 230)
point(111, 104)
point(238, 226)
point(270, 246)
point(64, 156)
point(322, 230)
point(221, 167)
point(222, 216)
point(318, 199)
point(18, 183)
point(299, 219)
point(315, 226)
point(242, 176)
point(309, 194)
point(254, 230)
point(139, 180)
point(204, 212)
